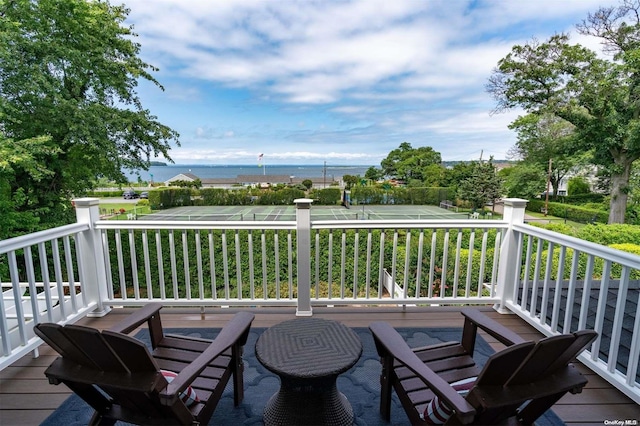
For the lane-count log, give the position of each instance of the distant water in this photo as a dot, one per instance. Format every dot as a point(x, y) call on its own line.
point(163, 173)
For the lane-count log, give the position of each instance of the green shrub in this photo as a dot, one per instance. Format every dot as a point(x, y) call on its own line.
point(610, 234)
point(570, 212)
point(284, 196)
point(326, 196)
point(165, 198)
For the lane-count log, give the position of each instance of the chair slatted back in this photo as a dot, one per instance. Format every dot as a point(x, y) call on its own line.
point(132, 353)
point(537, 363)
point(90, 341)
point(501, 365)
point(54, 336)
point(583, 339)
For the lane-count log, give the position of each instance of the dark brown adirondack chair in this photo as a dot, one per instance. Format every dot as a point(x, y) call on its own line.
point(515, 386)
point(123, 380)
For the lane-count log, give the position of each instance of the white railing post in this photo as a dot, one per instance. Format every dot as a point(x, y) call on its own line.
point(514, 214)
point(303, 262)
point(94, 274)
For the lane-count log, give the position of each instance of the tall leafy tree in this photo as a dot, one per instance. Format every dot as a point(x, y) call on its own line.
point(21, 158)
point(599, 96)
point(547, 142)
point(523, 180)
point(408, 163)
point(69, 71)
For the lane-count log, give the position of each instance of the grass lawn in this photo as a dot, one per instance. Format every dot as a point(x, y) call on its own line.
point(114, 208)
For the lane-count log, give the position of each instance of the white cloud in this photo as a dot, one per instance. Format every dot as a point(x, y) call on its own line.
point(366, 71)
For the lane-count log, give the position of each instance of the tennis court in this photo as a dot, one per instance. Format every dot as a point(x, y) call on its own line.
point(274, 213)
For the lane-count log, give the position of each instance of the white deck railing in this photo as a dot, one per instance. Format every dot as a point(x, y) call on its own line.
point(556, 283)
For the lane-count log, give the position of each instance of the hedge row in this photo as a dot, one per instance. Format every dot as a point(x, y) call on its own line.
point(164, 198)
point(401, 195)
point(583, 198)
point(570, 212)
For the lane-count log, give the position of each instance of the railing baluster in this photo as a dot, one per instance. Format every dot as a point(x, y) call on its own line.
point(432, 263)
point(57, 269)
point(212, 265)
point(586, 293)
point(134, 265)
point(456, 268)
point(534, 282)
point(17, 298)
point(445, 259)
point(367, 278)
point(601, 310)
point(356, 254)
point(330, 266)
point(544, 303)
point(571, 292)
point(198, 243)
point(557, 296)
point(147, 264)
point(31, 279)
point(483, 260)
point(525, 275)
point(618, 317)
point(252, 281)
point(317, 260)
point(71, 277)
point(343, 261)
point(81, 274)
point(264, 265)
point(276, 244)
point(494, 269)
point(238, 265)
point(104, 235)
point(123, 282)
point(163, 291)
point(381, 266)
point(185, 264)
point(467, 289)
point(46, 284)
point(394, 261)
point(405, 281)
point(419, 263)
point(290, 263)
point(174, 267)
point(225, 264)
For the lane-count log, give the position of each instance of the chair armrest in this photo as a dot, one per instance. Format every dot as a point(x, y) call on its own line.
point(233, 332)
point(492, 327)
point(389, 339)
point(137, 318)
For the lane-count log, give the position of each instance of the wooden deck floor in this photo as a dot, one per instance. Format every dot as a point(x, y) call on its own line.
point(26, 398)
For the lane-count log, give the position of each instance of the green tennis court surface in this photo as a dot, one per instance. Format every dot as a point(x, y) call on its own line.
point(272, 213)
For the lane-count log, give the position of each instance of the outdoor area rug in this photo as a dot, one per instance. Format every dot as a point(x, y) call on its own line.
point(361, 384)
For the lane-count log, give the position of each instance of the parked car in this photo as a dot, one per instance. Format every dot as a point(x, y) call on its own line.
point(130, 195)
point(144, 194)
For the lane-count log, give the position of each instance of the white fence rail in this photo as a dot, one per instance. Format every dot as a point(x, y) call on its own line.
point(556, 283)
point(41, 280)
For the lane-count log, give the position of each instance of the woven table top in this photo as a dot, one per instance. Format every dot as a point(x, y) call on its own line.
point(308, 347)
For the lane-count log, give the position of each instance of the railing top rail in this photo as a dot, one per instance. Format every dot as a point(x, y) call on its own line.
point(23, 241)
point(410, 224)
point(200, 224)
point(583, 246)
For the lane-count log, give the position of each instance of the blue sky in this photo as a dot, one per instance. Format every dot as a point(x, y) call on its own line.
point(346, 82)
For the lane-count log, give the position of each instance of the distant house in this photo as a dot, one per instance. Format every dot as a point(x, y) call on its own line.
point(252, 180)
point(187, 177)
